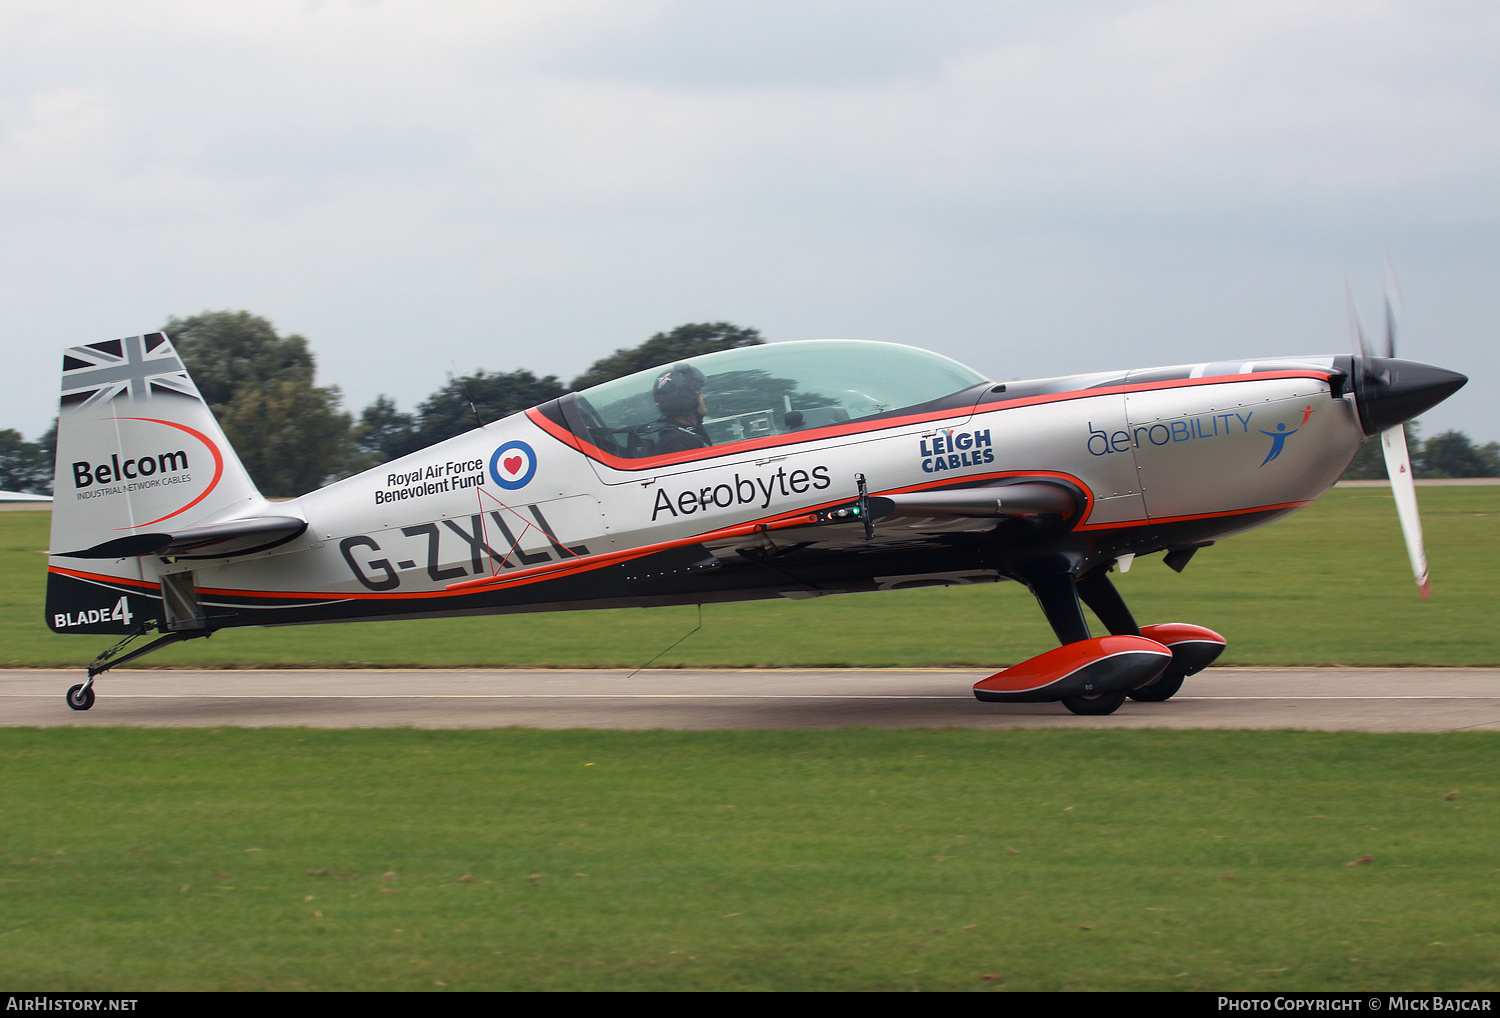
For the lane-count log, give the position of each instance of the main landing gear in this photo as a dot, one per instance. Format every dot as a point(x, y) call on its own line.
point(1094, 675)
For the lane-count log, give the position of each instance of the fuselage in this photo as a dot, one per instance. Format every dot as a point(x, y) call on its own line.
point(1159, 459)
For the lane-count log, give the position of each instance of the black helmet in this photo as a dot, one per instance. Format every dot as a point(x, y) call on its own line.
point(676, 390)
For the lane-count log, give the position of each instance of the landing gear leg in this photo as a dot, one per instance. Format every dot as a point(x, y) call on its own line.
point(1088, 675)
point(1105, 601)
point(1193, 647)
point(1058, 596)
point(81, 696)
point(1101, 596)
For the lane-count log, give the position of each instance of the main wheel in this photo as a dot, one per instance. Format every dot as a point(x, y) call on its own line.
point(1099, 703)
point(81, 697)
point(1163, 688)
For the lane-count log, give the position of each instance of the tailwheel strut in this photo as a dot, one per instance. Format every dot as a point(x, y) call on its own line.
point(81, 696)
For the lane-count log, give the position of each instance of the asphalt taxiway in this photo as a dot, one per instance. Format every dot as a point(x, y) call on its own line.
point(1329, 699)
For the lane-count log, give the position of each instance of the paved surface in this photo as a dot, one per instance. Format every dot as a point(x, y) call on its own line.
point(1356, 699)
point(1434, 482)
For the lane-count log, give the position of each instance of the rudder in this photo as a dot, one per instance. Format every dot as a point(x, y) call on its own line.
point(138, 452)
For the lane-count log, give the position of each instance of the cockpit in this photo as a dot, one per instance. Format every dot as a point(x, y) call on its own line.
point(761, 394)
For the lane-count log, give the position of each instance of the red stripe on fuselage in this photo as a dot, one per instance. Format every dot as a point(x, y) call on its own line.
point(1155, 520)
point(78, 574)
point(629, 554)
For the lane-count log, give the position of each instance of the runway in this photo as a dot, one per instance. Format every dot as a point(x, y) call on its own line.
point(1328, 699)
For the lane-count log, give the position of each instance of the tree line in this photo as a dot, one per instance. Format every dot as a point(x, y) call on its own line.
point(293, 435)
point(1448, 454)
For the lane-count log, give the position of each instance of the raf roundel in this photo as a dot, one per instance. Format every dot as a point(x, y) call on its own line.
point(513, 465)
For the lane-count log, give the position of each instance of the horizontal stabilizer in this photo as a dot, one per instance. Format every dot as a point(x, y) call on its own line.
point(237, 537)
point(1030, 499)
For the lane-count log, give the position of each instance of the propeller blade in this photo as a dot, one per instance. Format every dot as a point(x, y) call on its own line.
point(1391, 392)
point(1392, 308)
point(1404, 488)
point(1357, 337)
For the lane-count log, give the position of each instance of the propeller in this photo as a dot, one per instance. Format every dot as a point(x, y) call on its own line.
point(1386, 397)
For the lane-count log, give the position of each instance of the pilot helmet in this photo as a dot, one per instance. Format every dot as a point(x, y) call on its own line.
point(676, 390)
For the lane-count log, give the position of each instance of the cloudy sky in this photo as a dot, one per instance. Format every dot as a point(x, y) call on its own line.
point(1032, 188)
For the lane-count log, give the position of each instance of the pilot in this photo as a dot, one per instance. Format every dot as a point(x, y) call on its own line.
point(679, 396)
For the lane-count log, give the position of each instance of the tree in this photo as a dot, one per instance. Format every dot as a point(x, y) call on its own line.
point(447, 413)
point(225, 350)
point(1452, 454)
point(25, 466)
point(1490, 452)
point(384, 433)
point(1369, 462)
point(48, 445)
point(665, 347)
point(289, 433)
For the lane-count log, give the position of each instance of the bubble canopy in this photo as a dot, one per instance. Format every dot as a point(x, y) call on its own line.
point(762, 392)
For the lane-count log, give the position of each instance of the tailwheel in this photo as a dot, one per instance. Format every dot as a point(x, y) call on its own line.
point(81, 696)
point(1162, 689)
point(1095, 705)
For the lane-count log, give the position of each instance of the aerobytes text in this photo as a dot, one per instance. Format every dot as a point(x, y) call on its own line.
point(455, 475)
point(740, 491)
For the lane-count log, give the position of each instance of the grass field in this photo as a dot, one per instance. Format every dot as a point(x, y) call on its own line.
point(1329, 585)
point(516, 859)
point(848, 859)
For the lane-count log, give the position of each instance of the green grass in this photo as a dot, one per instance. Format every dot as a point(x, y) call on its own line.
point(1329, 585)
point(303, 859)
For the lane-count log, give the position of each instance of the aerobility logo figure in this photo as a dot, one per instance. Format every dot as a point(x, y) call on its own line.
point(1280, 435)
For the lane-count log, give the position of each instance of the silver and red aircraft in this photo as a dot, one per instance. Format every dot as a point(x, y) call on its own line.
point(790, 470)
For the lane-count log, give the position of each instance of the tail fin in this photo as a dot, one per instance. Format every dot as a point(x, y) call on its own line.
point(138, 453)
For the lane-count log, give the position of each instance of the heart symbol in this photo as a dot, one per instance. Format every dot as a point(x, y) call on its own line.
point(512, 464)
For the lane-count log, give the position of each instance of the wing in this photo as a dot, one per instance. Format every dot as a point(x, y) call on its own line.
point(899, 519)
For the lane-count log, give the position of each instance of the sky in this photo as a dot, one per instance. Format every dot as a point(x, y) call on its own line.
point(1033, 189)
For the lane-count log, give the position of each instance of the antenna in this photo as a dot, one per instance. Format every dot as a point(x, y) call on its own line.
point(684, 636)
point(467, 398)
